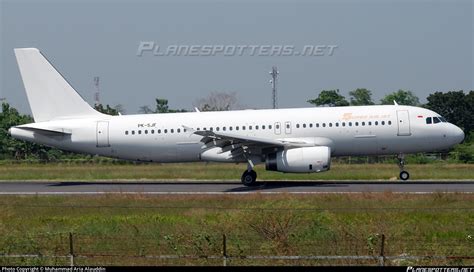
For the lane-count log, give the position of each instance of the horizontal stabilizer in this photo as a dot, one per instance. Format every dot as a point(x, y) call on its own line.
point(45, 131)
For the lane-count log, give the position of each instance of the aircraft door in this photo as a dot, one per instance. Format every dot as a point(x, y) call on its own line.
point(277, 128)
point(403, 120)
point(288, 127)
point(103, 134)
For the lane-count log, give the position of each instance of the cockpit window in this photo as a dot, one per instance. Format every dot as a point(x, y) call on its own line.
point(428, 120)
point(436, 120)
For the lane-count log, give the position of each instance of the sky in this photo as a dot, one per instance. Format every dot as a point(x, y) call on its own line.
point(422, 46)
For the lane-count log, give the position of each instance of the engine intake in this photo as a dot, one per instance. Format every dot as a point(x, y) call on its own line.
point(300, 160)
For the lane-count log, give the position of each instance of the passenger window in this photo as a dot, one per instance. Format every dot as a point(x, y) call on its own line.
point(317, 124)
point(250, 127)
point(389, 122)
point(133, 132)
point(376, 123)
point(172, 130)
point(350, 124)
point(179, 130)
point(139, 132)
point(256, 127)
point(263, 127)
point(356, 124)
point(297, 125)
point(243, 127)
point(159, 131)
point(165, 131)
point(343, 124)
point(436, 120)
point(237, 128)
point(269, 126)
point(324, 124)
point(146, 131)
point(126, 132)
point(337, 124)
point(277, 126)
point(383, 123)
point(363, 123)
point(370, 123)
point(152, 131)
point(230, 128)
point(223, 128)
point(304, 125)
point(311, 125)
point(330, 124)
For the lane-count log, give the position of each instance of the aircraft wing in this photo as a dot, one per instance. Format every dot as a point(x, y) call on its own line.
point(239, 144)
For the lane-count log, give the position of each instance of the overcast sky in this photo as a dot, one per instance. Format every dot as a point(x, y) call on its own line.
point(423, 46)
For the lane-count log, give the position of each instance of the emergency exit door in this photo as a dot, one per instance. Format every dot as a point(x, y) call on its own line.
point(103, 134)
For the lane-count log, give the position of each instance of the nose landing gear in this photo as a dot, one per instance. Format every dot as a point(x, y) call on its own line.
point(404, 175)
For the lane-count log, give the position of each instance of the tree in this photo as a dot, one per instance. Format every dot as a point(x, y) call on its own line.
point(456, 106)
point(218, 101)
point(161, 107)
point(329, 98)
point(402, 97)
point(145, 109)
point(17, 149)
point(361, 97)
point(107, 110)
point(120, 108)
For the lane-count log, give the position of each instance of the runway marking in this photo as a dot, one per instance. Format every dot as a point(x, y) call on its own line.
point(220, 193)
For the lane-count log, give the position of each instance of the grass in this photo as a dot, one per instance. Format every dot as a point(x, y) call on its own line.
point(122, 229)
point(215, 171)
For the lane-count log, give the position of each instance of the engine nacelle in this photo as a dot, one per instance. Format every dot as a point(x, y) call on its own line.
point(300, 160)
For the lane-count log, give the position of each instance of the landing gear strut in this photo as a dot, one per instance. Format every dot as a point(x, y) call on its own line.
point(249, 177)
point(404, 175)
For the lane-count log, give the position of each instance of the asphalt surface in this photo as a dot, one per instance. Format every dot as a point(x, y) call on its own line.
point(231, 187)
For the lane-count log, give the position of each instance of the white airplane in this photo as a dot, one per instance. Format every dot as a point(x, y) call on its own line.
point(299, 140)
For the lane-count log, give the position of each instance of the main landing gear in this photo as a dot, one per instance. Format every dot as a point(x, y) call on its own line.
point(249, 177)
point(404, 175)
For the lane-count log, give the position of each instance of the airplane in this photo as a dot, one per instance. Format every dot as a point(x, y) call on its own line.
point(294, 140)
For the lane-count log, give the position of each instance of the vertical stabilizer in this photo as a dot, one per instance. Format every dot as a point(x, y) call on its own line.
point(49, 94)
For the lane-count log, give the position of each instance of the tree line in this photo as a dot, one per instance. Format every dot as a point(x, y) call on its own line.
point(456, 106)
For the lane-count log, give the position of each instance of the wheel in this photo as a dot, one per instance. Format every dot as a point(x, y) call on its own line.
point(404, 175)
point(249, 178)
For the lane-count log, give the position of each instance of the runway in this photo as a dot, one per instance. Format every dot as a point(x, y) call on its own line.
point(231, 187)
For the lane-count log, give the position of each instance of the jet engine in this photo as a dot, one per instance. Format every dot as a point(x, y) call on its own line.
point(300, 160)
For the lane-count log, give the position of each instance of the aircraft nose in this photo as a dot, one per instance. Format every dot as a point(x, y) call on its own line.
point(457, 135)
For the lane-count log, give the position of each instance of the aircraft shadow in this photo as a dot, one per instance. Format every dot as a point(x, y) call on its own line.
point(269, 185)
point(151, 183)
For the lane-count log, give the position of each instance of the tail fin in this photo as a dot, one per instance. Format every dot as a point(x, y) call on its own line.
point(49, 94)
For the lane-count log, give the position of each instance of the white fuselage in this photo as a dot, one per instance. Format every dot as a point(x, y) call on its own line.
point(362, 130)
